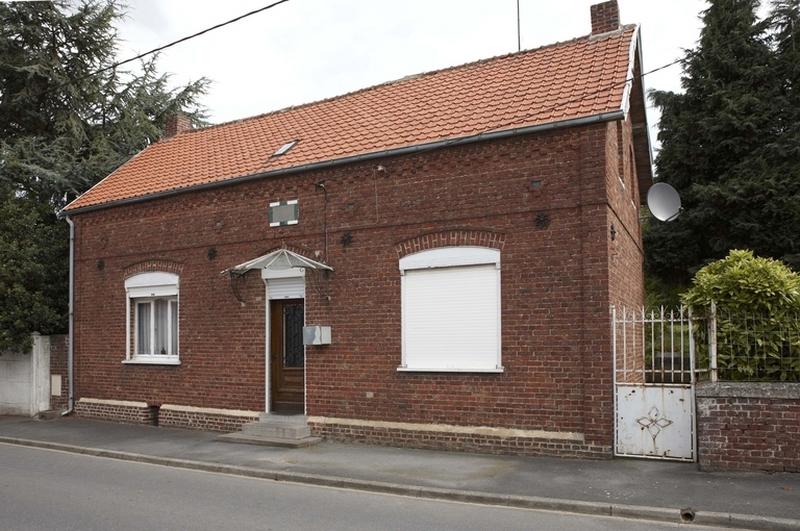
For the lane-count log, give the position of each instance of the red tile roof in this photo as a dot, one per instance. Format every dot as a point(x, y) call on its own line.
point(563, 81)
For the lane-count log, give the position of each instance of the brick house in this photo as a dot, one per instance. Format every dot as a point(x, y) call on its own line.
point(462, 232)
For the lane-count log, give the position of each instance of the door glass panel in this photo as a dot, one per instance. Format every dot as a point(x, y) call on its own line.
point(293, 335)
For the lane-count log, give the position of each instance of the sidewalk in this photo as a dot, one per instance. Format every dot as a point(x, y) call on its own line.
point(624, 487)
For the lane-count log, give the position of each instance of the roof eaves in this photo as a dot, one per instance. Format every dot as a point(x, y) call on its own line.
point(63, 212)
point(405, 150)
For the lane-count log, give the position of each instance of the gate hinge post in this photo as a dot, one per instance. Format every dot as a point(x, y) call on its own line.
point(712, 342)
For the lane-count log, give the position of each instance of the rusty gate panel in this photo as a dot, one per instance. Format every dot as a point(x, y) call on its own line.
point(655, 421)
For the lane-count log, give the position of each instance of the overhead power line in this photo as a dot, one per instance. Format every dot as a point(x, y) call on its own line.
point(278, 2)
point(184, 39)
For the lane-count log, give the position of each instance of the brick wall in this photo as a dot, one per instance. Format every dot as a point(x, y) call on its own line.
point(460, 442)
point(749, 426)
point(222, 421)
point(58, 367)
point(625, 246)
point(130, 412)
point(544, 198)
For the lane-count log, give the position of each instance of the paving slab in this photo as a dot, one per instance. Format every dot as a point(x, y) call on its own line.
point(621, 483)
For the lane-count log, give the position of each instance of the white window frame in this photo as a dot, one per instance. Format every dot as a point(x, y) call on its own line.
point(146, 288)
point(443, 257)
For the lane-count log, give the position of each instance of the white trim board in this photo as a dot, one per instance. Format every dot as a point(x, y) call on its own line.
point(635, 45)
point(450, 428)
point(108, 402)
point(211, 411)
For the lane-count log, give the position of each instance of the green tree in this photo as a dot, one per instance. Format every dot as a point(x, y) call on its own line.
point(758, 302)
point(63, 127)
point(32, 254)
point(729, 143)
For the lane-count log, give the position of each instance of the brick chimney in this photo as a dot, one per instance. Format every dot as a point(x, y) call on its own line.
point(175, 123)
point(605, 17)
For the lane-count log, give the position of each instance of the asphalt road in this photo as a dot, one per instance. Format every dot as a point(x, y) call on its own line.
point(43, 489)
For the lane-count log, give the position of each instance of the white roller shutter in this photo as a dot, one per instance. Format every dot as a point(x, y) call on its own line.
point(451, 318)
point(286, 288)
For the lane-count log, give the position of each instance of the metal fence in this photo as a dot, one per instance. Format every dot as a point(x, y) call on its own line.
point(663, 345)
point(755, 346)
point(654, 346)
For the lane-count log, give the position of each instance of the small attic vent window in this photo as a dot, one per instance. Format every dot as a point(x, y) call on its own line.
point(284, 148)
point(283, 213)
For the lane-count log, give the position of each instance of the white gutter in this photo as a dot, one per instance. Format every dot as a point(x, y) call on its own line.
point(71, 332)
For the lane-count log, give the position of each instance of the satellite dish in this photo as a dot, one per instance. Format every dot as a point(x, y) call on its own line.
point(664, 202)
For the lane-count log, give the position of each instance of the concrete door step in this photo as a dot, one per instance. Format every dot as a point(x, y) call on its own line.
point(281, 431)
point(239, 437)
point(288, 431)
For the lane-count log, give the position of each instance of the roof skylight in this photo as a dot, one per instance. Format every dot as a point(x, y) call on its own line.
point(284, 148)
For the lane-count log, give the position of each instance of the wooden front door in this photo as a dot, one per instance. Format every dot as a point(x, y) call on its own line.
point(287, 355)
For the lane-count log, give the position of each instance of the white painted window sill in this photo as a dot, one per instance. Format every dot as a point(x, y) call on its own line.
point(414, 369)
point(153, 360)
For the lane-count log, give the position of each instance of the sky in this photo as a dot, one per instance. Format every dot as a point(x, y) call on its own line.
point(306, 50)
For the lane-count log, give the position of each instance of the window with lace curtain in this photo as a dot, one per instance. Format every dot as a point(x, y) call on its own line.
point(152, 318)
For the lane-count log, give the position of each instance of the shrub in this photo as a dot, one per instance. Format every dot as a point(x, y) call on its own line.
point(758, 302)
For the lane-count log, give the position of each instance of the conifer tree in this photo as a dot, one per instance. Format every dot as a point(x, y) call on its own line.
point(63, 127)
point(725, 142)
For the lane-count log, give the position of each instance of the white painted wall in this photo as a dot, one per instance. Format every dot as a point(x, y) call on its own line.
point(25, 379)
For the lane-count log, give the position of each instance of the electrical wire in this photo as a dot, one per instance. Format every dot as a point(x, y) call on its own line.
point(184, 39)
point(274, 4)
point(519, 120)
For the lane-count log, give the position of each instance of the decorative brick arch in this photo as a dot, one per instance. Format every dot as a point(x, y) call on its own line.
point(450, 238)
point(147, 266)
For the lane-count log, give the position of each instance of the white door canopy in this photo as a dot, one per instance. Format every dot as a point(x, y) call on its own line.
point(279, 260)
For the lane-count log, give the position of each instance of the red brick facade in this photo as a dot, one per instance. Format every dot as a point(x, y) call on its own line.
point(129, 412)
point(749, 426)
point(203, 420)
point(547, 201)
point(466, 442)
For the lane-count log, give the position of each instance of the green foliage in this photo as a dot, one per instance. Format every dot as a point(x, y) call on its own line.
point(62, 129)
point(758, 318)
point(743, 282)
point(32, 253)
point(658, 293)
point(730, 143)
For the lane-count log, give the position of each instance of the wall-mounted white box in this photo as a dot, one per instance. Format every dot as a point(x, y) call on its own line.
point(316, 335)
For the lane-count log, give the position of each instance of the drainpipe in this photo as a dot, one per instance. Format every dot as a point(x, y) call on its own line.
point(71, 342)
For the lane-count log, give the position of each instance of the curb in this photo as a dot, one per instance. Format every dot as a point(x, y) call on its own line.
point(659, 514)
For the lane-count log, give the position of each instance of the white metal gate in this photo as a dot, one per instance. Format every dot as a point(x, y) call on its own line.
point(654, 375)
